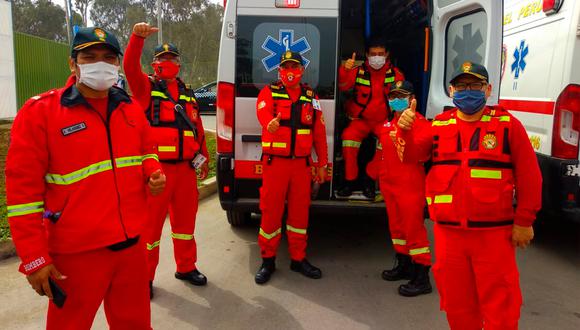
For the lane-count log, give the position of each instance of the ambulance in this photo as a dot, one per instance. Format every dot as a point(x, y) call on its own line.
point(428, 40)
point(540, 85)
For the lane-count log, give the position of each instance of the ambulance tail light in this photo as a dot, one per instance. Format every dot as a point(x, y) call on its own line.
point(287, 3)
point(566, 132)
point(226, 97)
point(551, 7)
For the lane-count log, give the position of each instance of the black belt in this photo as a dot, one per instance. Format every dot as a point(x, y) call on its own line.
point(478, 224)
point(172, 161)
point(124, 244)
point(270, 157)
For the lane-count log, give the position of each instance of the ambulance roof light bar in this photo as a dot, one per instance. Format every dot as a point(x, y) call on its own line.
point(551, 7)
point(287, 3)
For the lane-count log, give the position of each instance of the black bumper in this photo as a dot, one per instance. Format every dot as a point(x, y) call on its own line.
point(561, 186)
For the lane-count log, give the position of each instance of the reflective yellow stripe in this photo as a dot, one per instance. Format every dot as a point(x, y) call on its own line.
point(363, 81)
point(505, 118)
point(485, 118)
point(166, 148)
point(79, 175)
point(266, 144)
point(272, 235)
point(429, 201)
point(415, 252)
point(158, 94)
point(151, 156)
point(278, 145)
point(389, 80)
point(185, 98)
point(128, 161)
point(283, 96)
point(399, 241)
point(443, 199)
point(296, 230)
point(188, 133)
point(350, 144)
point(444, 122)
point(303, 131)
point(486, 174)
point(305, 99)
point(183, 237)
point(152, 246)
point(24, 209)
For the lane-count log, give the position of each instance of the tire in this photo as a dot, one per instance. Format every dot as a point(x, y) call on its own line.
point(238, 219)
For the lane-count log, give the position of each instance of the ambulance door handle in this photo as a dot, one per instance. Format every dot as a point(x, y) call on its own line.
point(230, 30)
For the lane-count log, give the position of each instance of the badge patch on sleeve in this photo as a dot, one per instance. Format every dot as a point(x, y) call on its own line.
point(73, 129)
point(316, 104)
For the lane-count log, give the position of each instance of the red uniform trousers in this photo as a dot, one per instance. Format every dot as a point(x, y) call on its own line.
point(352, 136)
point(284, 179)
point(405, 209)
point(180, 197)
point(117, 277)
point(477, 278)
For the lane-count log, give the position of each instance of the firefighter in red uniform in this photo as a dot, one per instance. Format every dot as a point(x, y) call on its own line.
point(77, 165)
point(367, 109)
point(481, 157)
point(292, 123)
point(403, 188)
point(172, 111)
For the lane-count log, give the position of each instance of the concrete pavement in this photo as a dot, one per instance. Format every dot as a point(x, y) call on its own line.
point(351, 295)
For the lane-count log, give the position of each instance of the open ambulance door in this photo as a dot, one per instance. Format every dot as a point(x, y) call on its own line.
point(463, 30)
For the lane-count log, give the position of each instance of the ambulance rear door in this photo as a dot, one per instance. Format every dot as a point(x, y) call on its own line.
point(463, 30)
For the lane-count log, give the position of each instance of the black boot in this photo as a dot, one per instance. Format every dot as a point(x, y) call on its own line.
point(419, 284)
point(306, 269)
point(370, 190)
point(346, 190)
point(266, 270)
point(194, 277)
point(401, 271)
point(150, 290)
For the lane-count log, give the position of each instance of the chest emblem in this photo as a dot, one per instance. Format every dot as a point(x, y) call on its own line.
point(489, 141)
point(73, 129)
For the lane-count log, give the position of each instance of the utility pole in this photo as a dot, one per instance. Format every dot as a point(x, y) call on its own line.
point(159, 23)
point(68, 20)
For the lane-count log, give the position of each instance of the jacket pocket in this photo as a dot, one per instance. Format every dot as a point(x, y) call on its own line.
point(439, 192)
point(167, 142)
point(167, 112)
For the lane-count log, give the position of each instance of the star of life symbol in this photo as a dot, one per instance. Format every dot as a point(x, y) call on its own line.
point(277, 48)
point(520, 54)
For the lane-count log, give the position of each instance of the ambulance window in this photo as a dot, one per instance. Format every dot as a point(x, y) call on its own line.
point(466, 39)
point(261, 41)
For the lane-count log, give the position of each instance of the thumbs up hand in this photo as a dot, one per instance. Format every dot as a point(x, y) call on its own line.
point(274, 124)
point(408, 117)
point(157, 183)
point(144, 30)
point(349, 64)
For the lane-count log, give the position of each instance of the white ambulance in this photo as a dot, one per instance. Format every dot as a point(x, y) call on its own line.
point(428, 40)
point(541, 87)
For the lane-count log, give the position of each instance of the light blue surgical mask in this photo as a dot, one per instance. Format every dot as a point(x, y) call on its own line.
point(399, 104)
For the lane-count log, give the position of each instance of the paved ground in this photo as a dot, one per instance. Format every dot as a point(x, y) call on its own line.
point(351, 252)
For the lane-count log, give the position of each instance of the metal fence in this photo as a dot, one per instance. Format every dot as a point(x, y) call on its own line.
point(41, 65)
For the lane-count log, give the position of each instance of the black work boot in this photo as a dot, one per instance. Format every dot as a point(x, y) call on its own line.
point(266, 270)
point(419, 284)
point(150, 290)
point(346, 190)
point(401, 270)
point(305, 268)
point(370, 190)
point(194, 277)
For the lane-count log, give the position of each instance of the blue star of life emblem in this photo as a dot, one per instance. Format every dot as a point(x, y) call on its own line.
point(520, 54)
point(277, 48)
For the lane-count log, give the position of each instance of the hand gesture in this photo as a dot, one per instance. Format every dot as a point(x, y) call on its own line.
point(39, 279)
point(349, 64)
point(144, 30)
point(408, 117)
point(274, 124)
point(157, 183)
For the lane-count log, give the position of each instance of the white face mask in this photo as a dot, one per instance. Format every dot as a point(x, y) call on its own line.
point(377, 62)
point(99, 76)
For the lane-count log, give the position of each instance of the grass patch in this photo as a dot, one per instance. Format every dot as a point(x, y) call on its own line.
point(211, 150)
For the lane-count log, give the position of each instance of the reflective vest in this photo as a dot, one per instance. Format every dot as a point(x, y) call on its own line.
point(295, 136)
point(174, 137)
point(363, 90)
point(472, 186)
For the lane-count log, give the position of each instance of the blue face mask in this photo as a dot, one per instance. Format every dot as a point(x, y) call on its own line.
point(399, 104)
point(468, 101)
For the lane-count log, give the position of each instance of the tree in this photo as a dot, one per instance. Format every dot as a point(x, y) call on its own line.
point(41, 18)
point(118, 16)
point(83, 8)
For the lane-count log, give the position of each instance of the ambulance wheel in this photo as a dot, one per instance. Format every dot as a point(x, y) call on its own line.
point(238, 218)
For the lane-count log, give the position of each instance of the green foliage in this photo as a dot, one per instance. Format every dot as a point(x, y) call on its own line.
point(41, 18)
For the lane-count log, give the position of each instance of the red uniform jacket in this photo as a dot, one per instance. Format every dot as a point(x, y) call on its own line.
point(370, 94)
point(477, 168)
point(165, 137)
point(74, 180)
point(316, 136)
